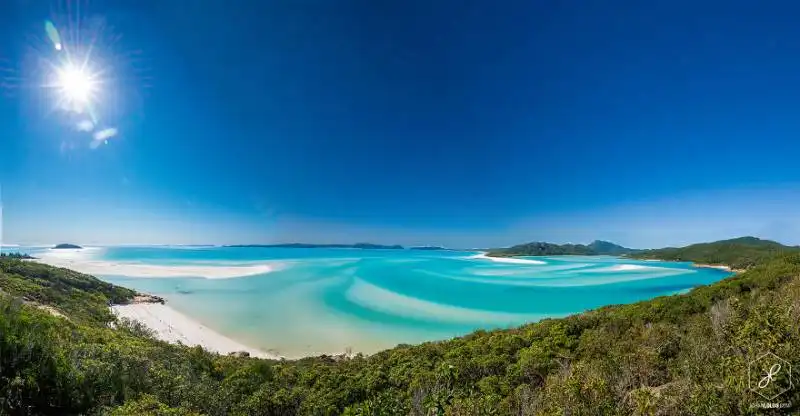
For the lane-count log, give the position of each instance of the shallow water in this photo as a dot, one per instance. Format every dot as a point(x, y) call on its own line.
point(328, 300)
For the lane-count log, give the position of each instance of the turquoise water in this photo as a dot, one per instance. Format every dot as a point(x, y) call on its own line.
point(329, 300)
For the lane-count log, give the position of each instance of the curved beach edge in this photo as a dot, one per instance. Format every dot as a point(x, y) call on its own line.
point(174, 327)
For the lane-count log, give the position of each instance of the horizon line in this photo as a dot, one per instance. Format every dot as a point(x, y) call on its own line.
point(404, 246)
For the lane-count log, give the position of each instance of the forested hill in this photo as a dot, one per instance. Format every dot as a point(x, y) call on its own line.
point(549, 249)
point(738, 253)
point(677, 355)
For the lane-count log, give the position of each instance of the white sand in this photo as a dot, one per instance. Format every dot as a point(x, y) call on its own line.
point(627, 268)
point(507, 259)
point(148, 270)
point(392, 303)
point(84, 261)
point(713, 266)
point(174, 327)
point(622, 267)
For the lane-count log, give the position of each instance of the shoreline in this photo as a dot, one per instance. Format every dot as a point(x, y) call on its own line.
point(697, 265)
point(174, 327)
point(718, 267)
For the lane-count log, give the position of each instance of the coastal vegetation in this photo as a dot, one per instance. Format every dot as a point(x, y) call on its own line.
point(549, 249)
point(79, 296)
point(16, 255)
point(737, 253)
point(685, 354)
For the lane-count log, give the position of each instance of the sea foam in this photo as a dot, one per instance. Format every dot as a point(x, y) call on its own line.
point(626, 268)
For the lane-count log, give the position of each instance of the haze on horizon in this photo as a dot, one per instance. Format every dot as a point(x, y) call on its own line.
point(458, 124)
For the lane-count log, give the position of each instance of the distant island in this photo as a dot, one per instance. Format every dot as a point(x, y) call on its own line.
point(596, 248)
point(66, 245)
point(365, 246)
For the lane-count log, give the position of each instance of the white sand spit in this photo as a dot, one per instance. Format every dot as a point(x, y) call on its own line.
point(513, 260)
point(84, 261)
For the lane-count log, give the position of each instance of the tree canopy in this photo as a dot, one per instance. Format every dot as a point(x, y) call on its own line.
point(16, 255)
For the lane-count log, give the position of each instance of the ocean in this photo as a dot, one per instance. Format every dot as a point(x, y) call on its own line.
point(300, 302)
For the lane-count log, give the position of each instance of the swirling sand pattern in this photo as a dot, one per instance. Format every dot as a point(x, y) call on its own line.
point(315, 301)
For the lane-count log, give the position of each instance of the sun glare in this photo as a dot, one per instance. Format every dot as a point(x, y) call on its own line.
point(77, 86)
point(77, 80)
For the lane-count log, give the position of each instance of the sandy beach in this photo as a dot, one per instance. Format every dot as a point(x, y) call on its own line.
point(720, 267)
point(84, 261)
point(713, 266)
point(168, 324)
point(172, 326)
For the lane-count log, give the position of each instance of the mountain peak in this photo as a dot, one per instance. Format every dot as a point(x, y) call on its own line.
point(607, 247)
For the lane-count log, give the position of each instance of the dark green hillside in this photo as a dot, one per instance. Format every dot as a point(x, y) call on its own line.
point(609, 248)
point(77, 295)
point(541, 249)
point(549, 249)
point(676, 355)
point(738, 253)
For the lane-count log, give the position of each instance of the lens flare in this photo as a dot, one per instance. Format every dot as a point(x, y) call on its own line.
point(80, 77)
point(52, 33)
point(76, 85)
point(74, 74)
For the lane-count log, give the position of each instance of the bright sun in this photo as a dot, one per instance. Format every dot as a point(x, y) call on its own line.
point(76, 85)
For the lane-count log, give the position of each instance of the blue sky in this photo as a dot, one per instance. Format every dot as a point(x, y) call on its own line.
point(460, 123)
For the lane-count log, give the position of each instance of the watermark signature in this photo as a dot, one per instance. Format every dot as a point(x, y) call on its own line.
point(770, 376)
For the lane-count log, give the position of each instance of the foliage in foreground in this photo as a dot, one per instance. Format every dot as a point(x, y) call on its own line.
point(676, 355)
